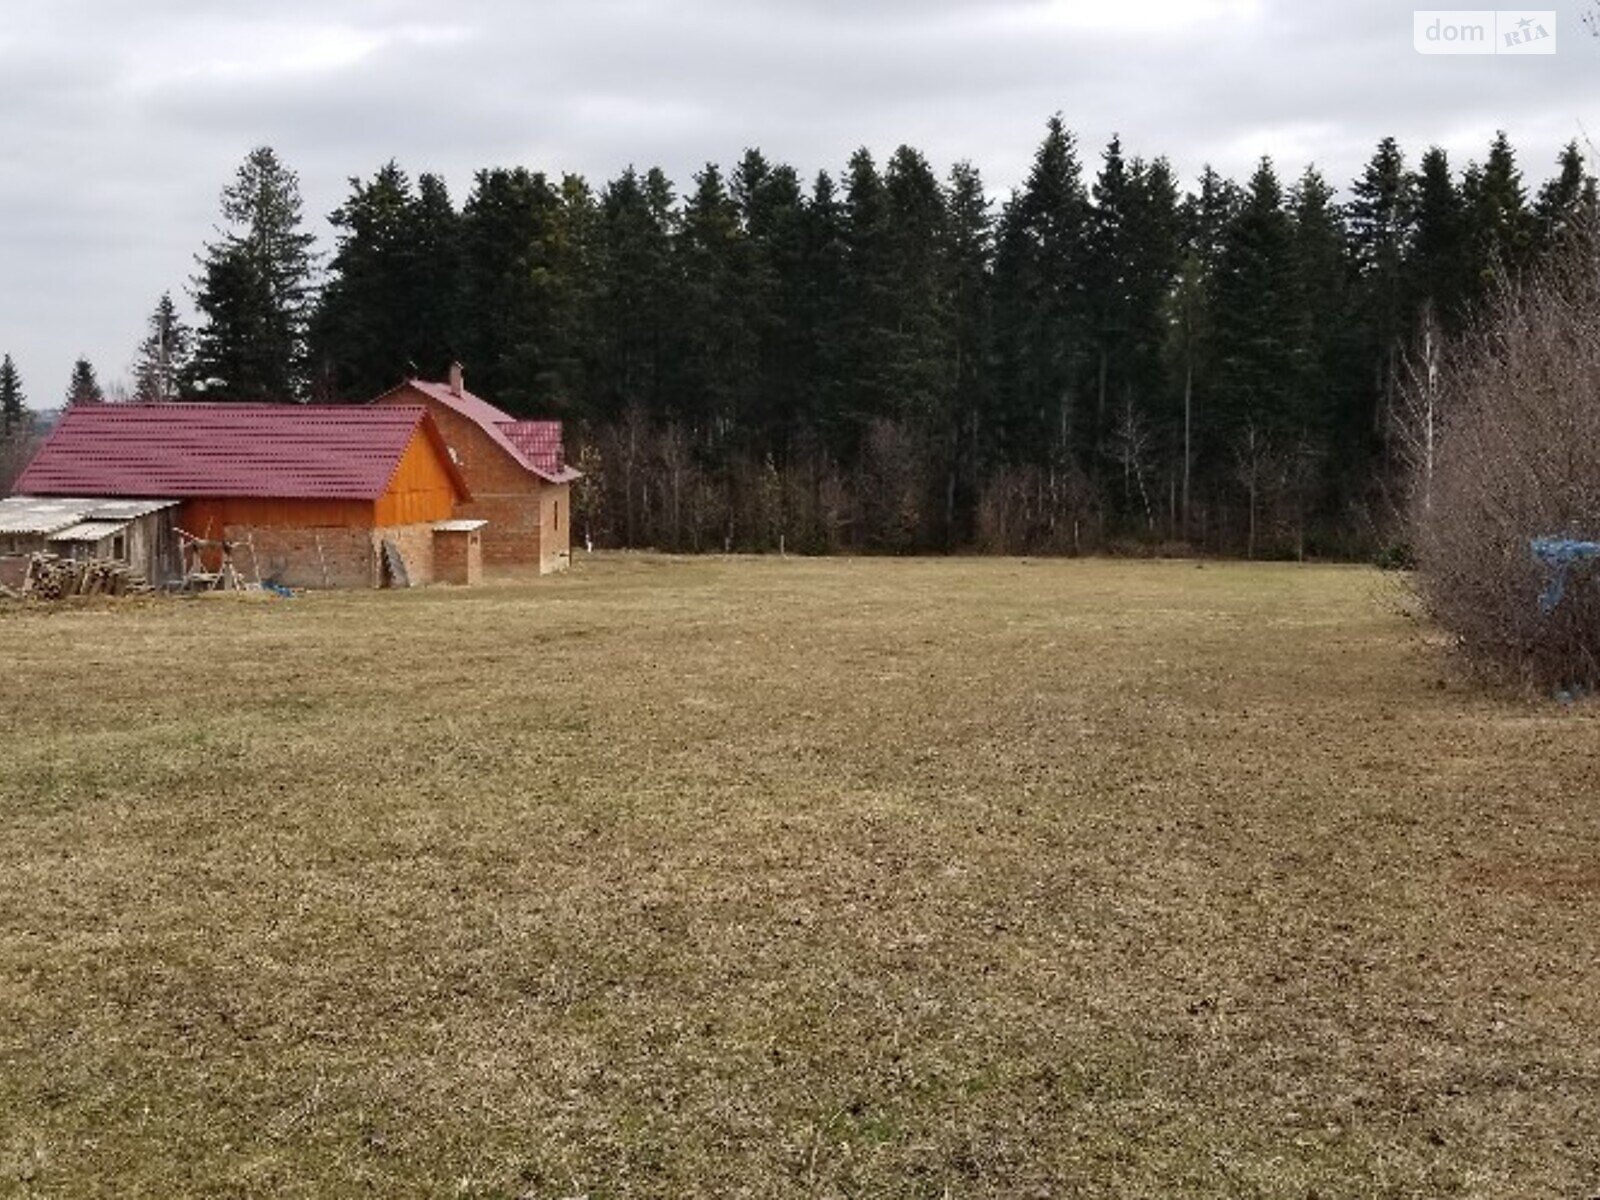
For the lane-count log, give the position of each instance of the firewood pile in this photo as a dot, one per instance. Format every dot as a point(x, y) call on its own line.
point(51, 577)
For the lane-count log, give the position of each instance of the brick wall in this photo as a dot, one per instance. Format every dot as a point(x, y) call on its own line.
point(511, 537)
point(415, 543)
point(299, 556)
point(458, 557)
point(555, 527)
point(329, 556)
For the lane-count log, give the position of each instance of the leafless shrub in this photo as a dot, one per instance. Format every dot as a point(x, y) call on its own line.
point(1256, 467)
point(1032, 510)
point(1516, 456)
point(892, 487)
point(15, 453)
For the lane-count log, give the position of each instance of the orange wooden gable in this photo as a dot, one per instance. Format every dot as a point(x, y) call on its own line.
point(425, 486)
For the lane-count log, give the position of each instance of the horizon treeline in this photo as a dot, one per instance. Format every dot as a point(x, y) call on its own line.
point(887, 360)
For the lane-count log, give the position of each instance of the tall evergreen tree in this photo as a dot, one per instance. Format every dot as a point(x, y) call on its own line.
point(1256, 414)
point(824, 306)
point(1326, 411)
point(633, 293)
point(969, 244)
point(1152, 239)
point(1437, 269)
point(13, 404)
point(716, 343)
point(1204, 218)
point(1500, 229)
point(868, 287)
point(435, 230)
point(771, 212)
point(1207, 214)
point(83, 387)
point(512, 297)
point(573, 260)
point(1258, 330)
point(1041, 323)
point(163, 358)
point(1133, 256)
point(1321, 299)
point(255, 289)
point(1381, 216)
point(1566, 202)
point(915, 339)
point(365, 331)
point(1107, 282)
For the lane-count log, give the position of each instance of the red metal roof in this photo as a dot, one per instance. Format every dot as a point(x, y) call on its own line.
point(539, 441)
point(534, 445)
point(464, 402)
point(273, 451)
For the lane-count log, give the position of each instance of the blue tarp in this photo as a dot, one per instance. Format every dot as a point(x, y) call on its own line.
point(1560, 555)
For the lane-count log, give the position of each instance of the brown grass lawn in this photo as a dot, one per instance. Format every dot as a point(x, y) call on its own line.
point(769, 878)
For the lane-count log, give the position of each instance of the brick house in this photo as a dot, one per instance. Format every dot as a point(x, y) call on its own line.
point(520, 482)
point(307, 496)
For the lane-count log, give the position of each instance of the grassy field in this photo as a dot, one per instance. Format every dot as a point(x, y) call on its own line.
point(814, 878)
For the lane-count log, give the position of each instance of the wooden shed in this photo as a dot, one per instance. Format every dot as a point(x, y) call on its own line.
point(304, 496)
point(141, 534)
point(520, 481)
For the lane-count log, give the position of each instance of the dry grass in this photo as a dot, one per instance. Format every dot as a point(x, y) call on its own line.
point(762, 878)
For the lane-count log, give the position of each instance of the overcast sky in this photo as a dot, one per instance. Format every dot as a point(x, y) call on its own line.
point(122, 121)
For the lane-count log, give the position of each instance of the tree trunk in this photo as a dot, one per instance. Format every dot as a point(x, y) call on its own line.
point(1188, 448)
point(1250, 543)
point(950, 509)
point(1100, 410)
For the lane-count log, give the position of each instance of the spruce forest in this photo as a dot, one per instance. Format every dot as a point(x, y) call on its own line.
point(890, 361)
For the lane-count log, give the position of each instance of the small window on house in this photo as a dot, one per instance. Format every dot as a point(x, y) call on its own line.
point(119, 547)
point(557, 507)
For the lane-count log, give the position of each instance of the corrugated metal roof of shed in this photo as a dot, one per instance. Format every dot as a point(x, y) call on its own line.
point(31, 514)
point(101, 509)
point(46, 514)
point(88, 531)
point(275, 451)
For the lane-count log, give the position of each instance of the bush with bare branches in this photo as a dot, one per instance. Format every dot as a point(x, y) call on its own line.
point(1031, 511)
point(15, 451)
point(1503, 433)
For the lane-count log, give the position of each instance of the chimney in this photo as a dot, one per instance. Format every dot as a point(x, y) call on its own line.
point(457, 382)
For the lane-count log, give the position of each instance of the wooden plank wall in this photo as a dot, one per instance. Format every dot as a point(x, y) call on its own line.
point(421, 490)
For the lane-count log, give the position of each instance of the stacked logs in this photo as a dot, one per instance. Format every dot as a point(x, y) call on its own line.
point(51, 577)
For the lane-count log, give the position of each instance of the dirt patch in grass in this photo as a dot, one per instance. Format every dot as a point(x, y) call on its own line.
point(787, 877)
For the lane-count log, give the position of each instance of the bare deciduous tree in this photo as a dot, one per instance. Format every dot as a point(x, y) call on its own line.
point(1132, 448)
point(1416, 418)
point(1516, 457)
point(1253, 461)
